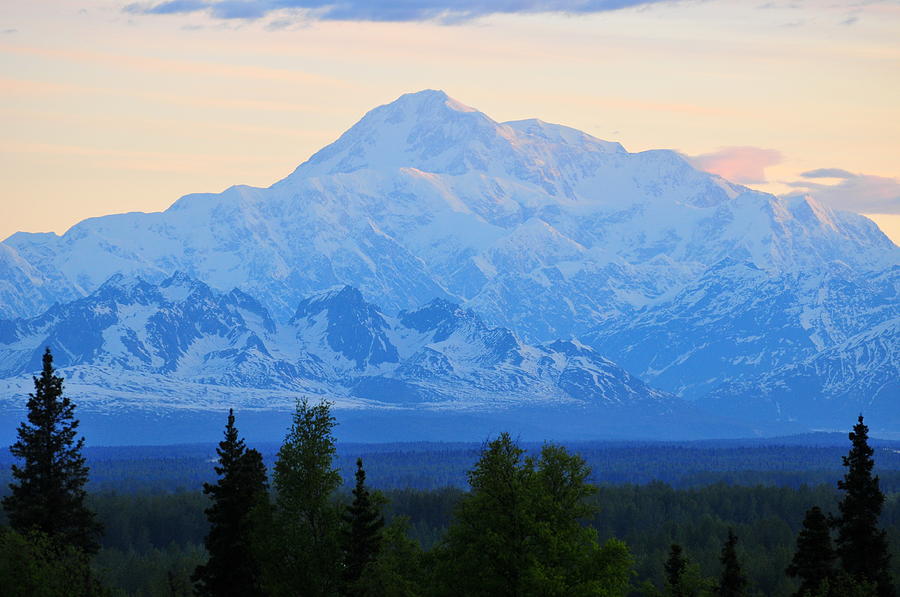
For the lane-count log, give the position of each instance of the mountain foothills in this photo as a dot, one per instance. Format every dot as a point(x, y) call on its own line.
point(433, 258)
point(136, 337)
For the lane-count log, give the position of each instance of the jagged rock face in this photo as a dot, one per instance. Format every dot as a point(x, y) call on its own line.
point(129, 333)
point(349, 327)
point(687, 280)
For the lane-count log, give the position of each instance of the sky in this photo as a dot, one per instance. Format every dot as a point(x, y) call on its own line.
point(110, 106)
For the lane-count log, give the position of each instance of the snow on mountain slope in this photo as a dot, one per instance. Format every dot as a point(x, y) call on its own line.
point(22, 286)
point(180, 327)
point(539, 227)
point(142, 339)
point(859, 375)
point(737, 322)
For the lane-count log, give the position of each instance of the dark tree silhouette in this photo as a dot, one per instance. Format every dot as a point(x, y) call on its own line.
point(861, 545)
point(814, 560)
point(732, 583)
point(675, 567)
point(363, 531)
point(232, 568)
point(48, 489)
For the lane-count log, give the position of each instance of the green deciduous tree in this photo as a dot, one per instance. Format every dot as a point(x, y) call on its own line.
point(732, 582)
point(237, 497)
point(305, 556)
point(398, 571)
point(861, 545)
point(33, 565)
point(520, 532)
point(813, 562)
point(841, 584)
point(48, 489)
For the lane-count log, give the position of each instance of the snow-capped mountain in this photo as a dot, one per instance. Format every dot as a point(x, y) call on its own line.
point(686, 279)
point(860, 374)
point(737, 322)
point(539, 227)
point(129, 334)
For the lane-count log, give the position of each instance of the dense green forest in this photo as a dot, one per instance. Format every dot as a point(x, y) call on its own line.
point(149, 534)
point(154, 539)
point(704, 518)
point(152, 508)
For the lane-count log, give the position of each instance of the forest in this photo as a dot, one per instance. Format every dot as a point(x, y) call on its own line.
point(310, 517)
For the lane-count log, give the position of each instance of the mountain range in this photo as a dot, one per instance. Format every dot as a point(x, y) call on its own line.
point(436, 258)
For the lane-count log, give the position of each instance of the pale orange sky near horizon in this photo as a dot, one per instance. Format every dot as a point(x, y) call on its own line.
point(104, 111)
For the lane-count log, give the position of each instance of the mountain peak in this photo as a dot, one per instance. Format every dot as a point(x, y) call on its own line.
point(352, 328)
point(428, 130)
point(344, 298)
point(430, 99)
point(178, 278)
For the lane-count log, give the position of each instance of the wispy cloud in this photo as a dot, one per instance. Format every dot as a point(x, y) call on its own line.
point(864, 193)
point(185, 67)
point(828, 173)
point(445, 11)
point(745, 165)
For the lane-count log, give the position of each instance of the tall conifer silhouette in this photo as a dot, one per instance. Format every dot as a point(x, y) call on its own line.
point(861, 545)
point(363, 532)
point(48, 488)
point(813, 562)
point(232, 568)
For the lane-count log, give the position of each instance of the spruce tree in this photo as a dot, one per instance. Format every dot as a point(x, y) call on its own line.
point(861, 545)
point(813, 562)
point(732, 582)
point(306, 557)
point(675, 567)
point(683, 577)
point(232, 568)
point(48, 489)
point(363, 531)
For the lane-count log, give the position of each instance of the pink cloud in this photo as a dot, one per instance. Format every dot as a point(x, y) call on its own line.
point(746, 165)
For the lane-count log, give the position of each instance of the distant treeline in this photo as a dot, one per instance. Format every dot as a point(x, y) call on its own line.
point(434, 466)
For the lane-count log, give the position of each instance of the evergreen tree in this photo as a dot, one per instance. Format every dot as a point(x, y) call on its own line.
point(675, 567)
point(732, 582)
point(861, 545)
point(363, 531)
point(683, 577)
point(48, 490)
point(813, 562)
point(306, 555)
point(232, 568)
